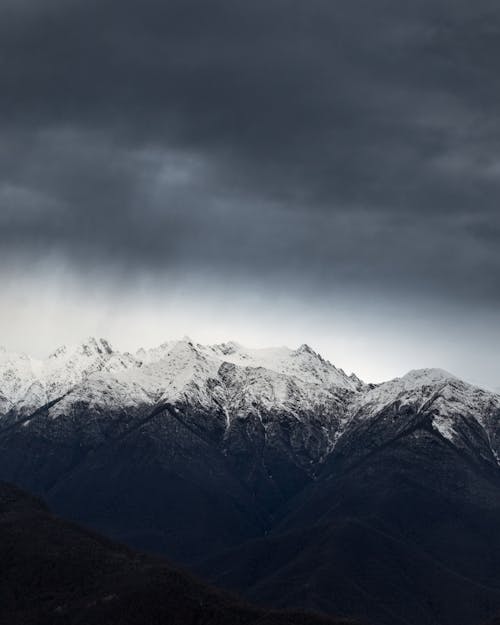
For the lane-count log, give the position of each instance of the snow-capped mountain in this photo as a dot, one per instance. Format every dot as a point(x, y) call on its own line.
point(195, 450)
point(28, 383)
point(272, 415)
point(177, 371)
point(238, 382)
point(277, 414)
point(466, 416)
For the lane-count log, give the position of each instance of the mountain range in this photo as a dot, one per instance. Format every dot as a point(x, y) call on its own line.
point(271, 472)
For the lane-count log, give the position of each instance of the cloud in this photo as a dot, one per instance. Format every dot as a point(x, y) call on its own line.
point(321, 146)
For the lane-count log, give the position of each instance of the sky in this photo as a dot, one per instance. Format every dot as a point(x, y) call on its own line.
point(272, 172)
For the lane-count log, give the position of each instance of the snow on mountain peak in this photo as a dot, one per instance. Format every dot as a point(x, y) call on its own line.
point(303, 363)
point(90, 348)
point(101, 346)
point(226, 374)
point(437, 394)
point(230, 347)
point(27, 383)
point(305, 349)
point(60, 352)
point(412, 388)
point(422, 377)
point(175, 369)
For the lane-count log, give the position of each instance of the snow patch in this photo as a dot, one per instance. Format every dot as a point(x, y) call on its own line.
point(444, 426)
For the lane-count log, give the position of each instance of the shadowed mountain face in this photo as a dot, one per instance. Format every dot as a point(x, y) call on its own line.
point(54, 572)
point(185, 449)
point(408, 534)
point(272, 472)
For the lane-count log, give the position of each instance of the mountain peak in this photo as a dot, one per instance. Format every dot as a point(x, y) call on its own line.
point(428, 376)
point(92, 345)
point(59, 352)
point(229, 347)
point(305, 349)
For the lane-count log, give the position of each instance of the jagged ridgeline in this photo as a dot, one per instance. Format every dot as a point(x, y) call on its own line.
point(271, 472)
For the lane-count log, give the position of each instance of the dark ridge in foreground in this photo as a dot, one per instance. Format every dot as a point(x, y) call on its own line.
point(56, 573)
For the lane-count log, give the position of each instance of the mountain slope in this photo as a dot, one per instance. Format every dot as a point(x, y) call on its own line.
point(137, 445)
point(401, 525)
point(54, 573)
point(274, 473)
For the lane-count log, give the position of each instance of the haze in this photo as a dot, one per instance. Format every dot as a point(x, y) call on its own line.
point(273, 172)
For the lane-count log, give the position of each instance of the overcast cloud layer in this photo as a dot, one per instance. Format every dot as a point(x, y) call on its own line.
point(318, 148)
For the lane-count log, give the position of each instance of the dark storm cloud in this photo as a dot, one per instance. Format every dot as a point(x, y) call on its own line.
point(352, 142)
